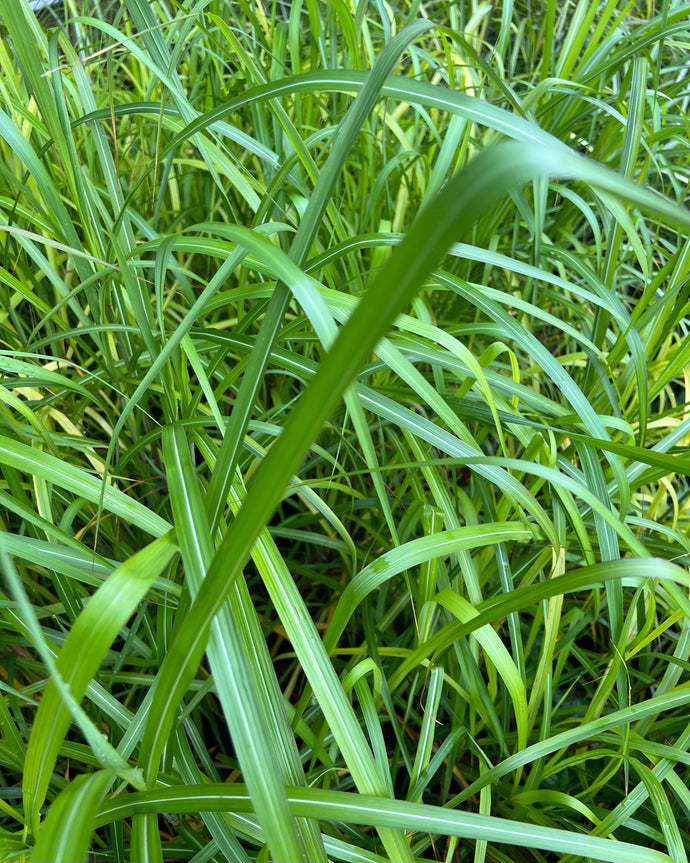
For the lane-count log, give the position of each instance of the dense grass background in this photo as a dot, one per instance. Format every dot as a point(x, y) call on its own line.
point(344, 406)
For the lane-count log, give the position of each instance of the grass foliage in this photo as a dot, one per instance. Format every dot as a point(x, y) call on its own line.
point(344, 412)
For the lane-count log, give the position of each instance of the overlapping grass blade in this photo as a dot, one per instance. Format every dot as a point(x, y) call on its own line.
point(79, 659)
point(65, 835)
point(360, 809)
point(266, 746)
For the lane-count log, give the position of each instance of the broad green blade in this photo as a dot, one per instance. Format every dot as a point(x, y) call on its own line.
point(361, 809)
point(65, 835)
point(76, 480)
point(265, 746)
point(92, 634)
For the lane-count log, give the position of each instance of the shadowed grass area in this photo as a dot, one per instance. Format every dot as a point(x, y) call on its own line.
point(344, 414)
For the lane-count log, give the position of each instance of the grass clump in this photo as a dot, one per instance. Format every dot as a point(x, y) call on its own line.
point(344, 406)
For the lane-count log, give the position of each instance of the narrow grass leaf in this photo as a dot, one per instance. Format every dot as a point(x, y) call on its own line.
point(362, 809)
point(80, 657)
point(65, 835)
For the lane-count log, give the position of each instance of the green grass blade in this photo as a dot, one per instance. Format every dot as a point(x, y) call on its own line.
point(348, 130)
point(53, 470)
point(361, 809)
point(65, 835)
point(412, 554)
point(266, 761)
point(672, 834)
point(80, 657)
